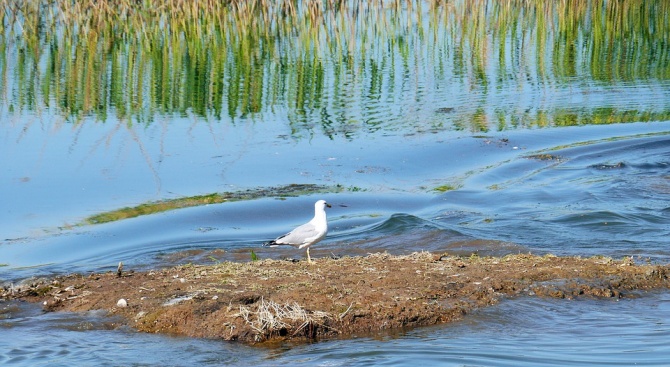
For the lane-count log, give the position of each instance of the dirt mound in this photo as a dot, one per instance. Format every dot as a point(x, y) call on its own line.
point(271, 299)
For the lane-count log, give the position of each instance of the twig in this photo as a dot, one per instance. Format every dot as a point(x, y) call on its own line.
point(345, 312)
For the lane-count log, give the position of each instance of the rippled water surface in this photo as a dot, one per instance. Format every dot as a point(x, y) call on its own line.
point(526, 332)
point(467, 127)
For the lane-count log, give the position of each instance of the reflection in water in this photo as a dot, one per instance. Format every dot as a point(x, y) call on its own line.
point(342, 69)
point(96, 109)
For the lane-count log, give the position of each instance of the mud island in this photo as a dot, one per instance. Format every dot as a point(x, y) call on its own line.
point(272, 300)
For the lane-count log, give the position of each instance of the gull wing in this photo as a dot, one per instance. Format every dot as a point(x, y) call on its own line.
point(300, 235)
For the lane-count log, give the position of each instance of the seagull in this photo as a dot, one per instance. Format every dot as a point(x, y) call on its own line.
point(307, 234)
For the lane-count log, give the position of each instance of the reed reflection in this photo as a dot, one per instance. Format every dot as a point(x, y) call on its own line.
point(336, 67)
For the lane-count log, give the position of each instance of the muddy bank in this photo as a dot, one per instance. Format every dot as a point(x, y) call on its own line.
point(272, 299)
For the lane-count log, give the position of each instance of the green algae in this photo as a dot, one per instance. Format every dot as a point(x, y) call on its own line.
point(152, 207)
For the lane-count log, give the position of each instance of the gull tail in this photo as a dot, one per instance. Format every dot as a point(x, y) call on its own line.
point(271, 243)
point(274, 243)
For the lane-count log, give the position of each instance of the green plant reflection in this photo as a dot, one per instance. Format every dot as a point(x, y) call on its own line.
point(341, 66)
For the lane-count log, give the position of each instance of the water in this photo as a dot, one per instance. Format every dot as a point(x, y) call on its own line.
point(520, 134)
point(519, 192)
point(526, 332)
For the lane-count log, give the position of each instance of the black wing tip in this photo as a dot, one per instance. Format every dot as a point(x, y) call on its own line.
point(270, 243)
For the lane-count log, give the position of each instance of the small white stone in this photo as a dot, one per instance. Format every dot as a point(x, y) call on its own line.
point(122, 303)
point(215, 297)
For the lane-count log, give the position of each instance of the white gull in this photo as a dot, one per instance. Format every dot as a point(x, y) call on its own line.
point(307, 234)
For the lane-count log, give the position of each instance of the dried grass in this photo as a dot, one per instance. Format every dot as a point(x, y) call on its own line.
point(271, 318)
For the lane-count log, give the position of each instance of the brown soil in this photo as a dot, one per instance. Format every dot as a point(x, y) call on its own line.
point(277, 300)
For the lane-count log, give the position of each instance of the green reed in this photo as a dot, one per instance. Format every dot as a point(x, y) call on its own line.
point(135, 60)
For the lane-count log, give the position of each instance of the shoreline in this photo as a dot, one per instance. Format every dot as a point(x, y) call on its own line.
point(274, 300)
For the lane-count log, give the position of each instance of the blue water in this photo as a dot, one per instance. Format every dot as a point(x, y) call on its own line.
point(600, 190)
point(528, 332)
point(495, 139)
point(597, 190)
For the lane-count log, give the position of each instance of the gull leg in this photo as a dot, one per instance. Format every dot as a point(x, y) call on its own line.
point(309, 259)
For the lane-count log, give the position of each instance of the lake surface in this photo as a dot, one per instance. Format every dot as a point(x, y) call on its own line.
point(468, 127)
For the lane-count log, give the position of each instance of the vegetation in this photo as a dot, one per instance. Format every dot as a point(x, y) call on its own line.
point(235, 59)
point(446, 187)
point(213, 198)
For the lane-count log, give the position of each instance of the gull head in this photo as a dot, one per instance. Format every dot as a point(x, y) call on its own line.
point(321, 205)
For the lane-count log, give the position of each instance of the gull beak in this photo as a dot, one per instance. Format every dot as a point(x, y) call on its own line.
point(328, 205)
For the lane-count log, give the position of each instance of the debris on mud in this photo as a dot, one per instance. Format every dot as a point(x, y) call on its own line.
point(277, 300)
